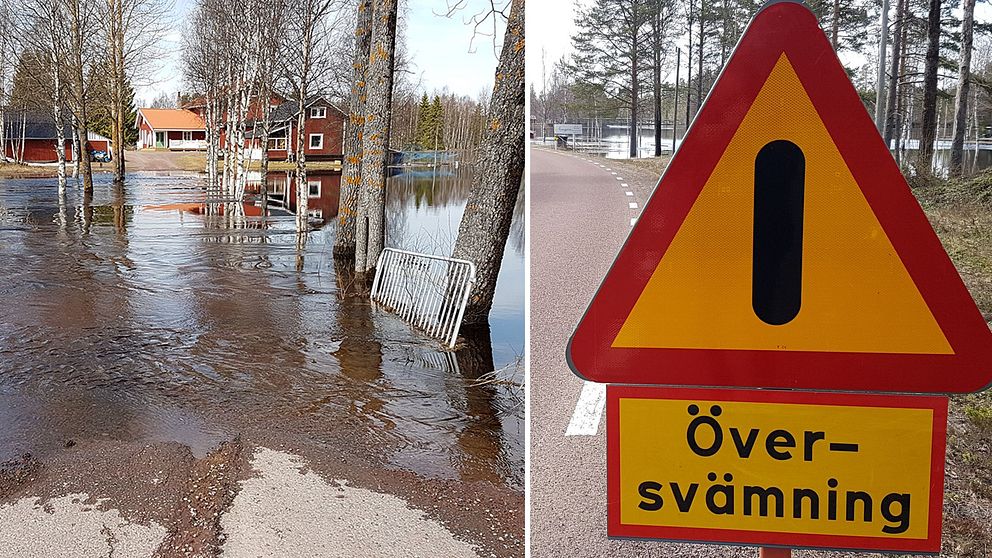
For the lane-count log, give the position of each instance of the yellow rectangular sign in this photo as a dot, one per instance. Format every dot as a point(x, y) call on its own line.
point(777, 468)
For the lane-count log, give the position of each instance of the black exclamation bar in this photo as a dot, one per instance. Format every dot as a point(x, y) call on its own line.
point(779, 184)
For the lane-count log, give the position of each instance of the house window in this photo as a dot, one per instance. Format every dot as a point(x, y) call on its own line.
point(316, 141)
point(318, 112)
point(187, 136)
point(313, 188)
point(277, 144)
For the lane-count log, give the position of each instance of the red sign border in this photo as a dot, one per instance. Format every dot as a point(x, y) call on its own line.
point(791, 28)
point(930, 545)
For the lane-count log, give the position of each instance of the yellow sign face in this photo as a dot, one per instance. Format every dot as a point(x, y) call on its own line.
point(802, 469)
point(854, 285)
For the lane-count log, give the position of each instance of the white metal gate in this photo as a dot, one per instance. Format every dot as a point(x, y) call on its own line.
point(428, 292)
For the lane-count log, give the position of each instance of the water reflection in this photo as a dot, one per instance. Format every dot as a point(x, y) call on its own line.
point(154, 310)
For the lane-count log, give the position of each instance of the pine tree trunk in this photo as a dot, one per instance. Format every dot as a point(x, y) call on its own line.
point(890, 116)
point(370, 232)
point(485, 224)
point(928, 127)
point(344, 241)
point(835, 25)
point(656, 50)
point(634, 96)
point(688, 76)
point(964, 83)
point(701, 57)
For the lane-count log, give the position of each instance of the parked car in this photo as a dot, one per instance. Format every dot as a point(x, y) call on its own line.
point(100, 156)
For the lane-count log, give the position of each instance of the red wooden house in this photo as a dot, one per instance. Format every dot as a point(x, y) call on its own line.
point(323, 131)
point(174, 129)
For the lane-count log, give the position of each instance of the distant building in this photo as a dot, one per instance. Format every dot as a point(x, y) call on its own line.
point(323, 128)
point(323, 131)
point(30, 136)
point(175, 129)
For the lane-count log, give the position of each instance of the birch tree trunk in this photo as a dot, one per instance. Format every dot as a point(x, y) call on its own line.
point(76, 35)
point(370, 231)
point(485, 224)
point(117, 83)
point(955, 168)
point(928, 127)
point(55, 37)
point(302, 224)
point(344, 240)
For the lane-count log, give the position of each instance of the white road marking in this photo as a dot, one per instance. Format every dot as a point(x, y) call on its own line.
point(633, 205)
point(588, 410)
point(613, 173)
point(629, 193)
point(624, 185)
point(618, 178)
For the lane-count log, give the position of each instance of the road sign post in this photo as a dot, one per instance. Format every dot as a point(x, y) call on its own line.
point(782, 249)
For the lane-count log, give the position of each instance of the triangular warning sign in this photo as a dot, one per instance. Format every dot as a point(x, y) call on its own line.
point(783, 247)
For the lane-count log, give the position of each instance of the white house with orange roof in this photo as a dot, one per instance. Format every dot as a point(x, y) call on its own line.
point(177, 129)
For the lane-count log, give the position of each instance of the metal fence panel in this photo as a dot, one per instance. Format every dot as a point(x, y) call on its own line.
point(429, 292)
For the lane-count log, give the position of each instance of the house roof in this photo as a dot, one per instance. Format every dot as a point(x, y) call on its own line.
point(289, 109)
point(39, 126)
point(171, 119)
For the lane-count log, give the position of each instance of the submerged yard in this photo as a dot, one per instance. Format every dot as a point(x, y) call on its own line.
point(140, 325)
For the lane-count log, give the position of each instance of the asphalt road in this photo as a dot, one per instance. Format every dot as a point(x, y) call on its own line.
point(581, 212)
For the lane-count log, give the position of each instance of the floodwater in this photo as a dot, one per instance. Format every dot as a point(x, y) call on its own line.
point(149, 312)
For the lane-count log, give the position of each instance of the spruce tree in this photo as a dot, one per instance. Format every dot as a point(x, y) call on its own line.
point(436, 140)
point(424, 130)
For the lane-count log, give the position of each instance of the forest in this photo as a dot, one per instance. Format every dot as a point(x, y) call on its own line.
point(922, 68)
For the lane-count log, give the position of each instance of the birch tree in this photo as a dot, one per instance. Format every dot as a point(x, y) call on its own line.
point(7, 53)
point(132, 31)
point(81, 19)
point(203, 64)
point(344, 240)
point(42, 26)
point(370, 231)
point(485, 224)
point(271, 17)
point(311, 26)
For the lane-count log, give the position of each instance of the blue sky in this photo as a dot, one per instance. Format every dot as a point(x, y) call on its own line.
point(441, 49)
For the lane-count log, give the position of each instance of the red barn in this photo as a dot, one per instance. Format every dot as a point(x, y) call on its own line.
point(30, 138)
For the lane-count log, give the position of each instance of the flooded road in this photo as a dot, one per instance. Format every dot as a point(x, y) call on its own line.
point(143, 315)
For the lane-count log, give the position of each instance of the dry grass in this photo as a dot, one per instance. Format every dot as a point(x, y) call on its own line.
point(291, 166)
point(192, 161)
point(652, 165)
point(961, 214)
point(11, 170)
